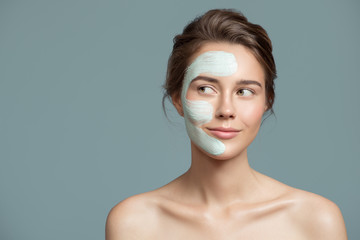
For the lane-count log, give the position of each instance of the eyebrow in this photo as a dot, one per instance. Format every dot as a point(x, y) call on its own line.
point(240, 82)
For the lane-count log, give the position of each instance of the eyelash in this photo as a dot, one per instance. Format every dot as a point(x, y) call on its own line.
point(202, 89)
point(246, 89)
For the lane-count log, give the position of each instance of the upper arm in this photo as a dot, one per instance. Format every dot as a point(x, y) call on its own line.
point(113, 225)
point(322, 219)
point(129, 219)
point(330, 222)
point(117, 223)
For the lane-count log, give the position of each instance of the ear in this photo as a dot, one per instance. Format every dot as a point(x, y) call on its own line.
point(266, 106)
point(176, 100)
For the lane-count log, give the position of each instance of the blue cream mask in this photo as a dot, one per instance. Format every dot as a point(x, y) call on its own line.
point(197, 113)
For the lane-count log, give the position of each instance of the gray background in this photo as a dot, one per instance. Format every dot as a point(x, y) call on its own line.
point(81, 124)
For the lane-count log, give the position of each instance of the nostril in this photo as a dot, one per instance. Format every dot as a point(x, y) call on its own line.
point(225, 110)
point(226, 116)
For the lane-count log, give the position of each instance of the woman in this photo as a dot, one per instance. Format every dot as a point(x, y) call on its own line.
point(221, 80)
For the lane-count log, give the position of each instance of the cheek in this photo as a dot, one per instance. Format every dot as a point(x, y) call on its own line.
point(251, 114)
point(198, 112)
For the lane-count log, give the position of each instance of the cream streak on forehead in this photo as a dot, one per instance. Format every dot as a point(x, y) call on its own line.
point(217, 63)
point(197, 113)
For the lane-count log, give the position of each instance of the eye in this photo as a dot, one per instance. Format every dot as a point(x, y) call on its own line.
point(245, 92)
point(206, 90)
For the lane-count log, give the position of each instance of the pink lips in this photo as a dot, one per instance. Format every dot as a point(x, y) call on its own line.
point(224, 133)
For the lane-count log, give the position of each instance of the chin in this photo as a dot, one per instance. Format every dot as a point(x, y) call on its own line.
point(234, 148)
point(222, 157)
point(228, 155)
point(231, 152)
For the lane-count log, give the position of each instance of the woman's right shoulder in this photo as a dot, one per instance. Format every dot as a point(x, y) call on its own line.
point(134, 217)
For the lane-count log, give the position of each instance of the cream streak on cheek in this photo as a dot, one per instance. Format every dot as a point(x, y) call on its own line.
point(197, 113)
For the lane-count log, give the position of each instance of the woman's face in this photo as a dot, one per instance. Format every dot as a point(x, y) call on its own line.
point(223, 99)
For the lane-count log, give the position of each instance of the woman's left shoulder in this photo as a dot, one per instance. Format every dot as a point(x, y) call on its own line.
point(317, 215)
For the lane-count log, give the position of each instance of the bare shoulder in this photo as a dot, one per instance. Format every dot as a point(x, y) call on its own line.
point(314, 215)
point(319, 217)
point(133, 218)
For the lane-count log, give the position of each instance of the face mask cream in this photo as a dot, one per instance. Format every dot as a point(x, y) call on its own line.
point(197, 113)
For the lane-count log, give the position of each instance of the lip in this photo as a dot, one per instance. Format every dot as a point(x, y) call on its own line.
point(224, 133)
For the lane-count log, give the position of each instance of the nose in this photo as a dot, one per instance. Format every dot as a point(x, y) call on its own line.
point(225, 108)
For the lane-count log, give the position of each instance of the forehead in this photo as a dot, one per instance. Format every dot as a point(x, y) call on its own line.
point(248, 65)
point(214, 46)
point(218, 63)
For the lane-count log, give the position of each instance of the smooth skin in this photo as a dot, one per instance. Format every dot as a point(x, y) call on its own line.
point(222, 197)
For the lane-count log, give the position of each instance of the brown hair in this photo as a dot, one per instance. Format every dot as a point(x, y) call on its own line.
point(219, 25)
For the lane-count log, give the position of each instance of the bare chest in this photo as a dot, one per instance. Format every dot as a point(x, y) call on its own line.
point(276, 225)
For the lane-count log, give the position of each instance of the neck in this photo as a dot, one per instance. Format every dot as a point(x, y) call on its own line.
point(220, 182)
